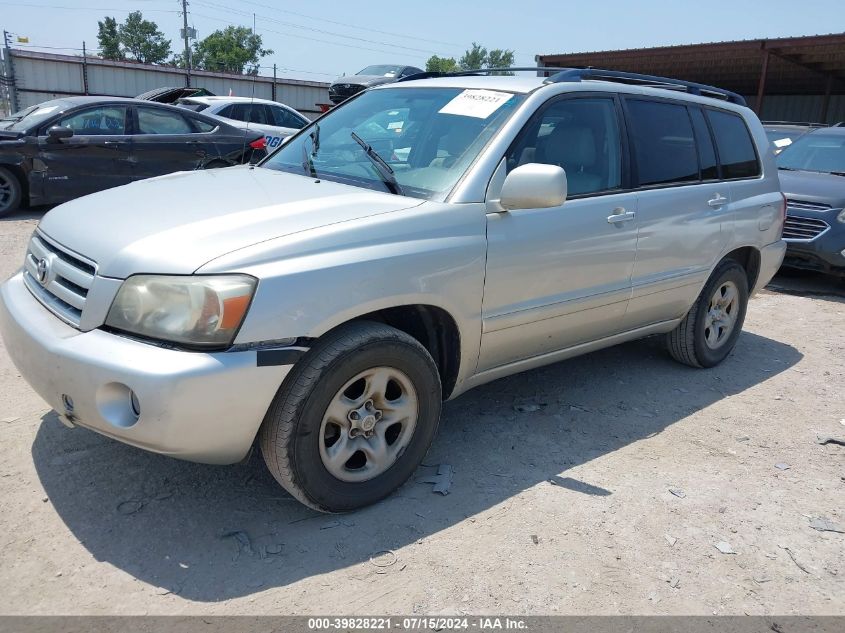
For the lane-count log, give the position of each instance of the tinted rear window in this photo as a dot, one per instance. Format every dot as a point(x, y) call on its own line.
point(736, 149)
point(664, 144)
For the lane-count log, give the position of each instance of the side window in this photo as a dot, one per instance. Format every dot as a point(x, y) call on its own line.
point(283, 118)
point(664, 145)
point(580, 135)
point(155, 121)
point(250, 113)
point(97, 121)
point(706, 151)
point(202, 126)
point(228, 112)
point(736, 149)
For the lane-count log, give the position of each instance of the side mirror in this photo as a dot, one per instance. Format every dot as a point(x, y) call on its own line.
point(57, 133)
point(534, 186)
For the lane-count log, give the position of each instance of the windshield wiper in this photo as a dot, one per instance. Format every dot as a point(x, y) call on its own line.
point(308, 156)
point(380, 164)
point(838, 173)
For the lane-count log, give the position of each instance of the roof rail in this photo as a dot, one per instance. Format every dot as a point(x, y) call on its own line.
point(803, 123)
point(651, 81)
point(579, 74)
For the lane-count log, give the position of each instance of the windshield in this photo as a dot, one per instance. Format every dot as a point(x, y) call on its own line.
point(427, 136)
point(383, 70)
point(32, 116)
point(818, 151)
point(782, 138)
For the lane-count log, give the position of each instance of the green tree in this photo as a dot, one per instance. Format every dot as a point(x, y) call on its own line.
point(474, 58)
point(235, 49)
point(437, 64)
point(108, 39)
point(499, 58)
point(142, 40)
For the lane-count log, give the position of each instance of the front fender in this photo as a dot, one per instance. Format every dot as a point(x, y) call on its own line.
point(311, 282)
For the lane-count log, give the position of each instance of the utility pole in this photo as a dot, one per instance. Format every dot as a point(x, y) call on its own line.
point(84, 69)
point(9, 79)
point(186, 35)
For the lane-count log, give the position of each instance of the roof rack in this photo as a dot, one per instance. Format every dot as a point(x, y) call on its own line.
point(598, 74)
point(803, 123)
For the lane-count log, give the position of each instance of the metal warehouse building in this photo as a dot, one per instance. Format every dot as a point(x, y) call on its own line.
point(786, 79)
point(31, 77)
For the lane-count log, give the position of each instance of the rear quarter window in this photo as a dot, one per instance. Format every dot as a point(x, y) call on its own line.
point(737, 154)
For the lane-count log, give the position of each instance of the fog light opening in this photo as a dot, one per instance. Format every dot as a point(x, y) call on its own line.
point(136, 405)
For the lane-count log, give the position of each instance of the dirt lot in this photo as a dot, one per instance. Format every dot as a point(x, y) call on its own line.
point(561, 501)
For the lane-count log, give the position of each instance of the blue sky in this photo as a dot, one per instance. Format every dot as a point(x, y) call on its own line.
point(320, 40)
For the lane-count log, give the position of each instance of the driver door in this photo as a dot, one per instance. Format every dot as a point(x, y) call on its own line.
point(95, 158)
point(561, 276)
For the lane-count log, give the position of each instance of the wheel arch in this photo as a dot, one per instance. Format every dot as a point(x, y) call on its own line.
point(433, 326)
point(749, 258)
point(19, 173)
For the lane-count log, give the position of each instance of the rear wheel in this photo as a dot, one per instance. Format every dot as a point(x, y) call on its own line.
point(711, 328)
point(354, 418)
point(10, 192)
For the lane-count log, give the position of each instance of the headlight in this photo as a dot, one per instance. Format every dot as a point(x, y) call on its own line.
point(841, 216)
point(201, 311)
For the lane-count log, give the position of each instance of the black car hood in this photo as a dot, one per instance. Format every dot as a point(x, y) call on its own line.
point(813, 187)
point(364, 80)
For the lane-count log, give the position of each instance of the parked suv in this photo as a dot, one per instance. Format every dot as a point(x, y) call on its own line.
point(812, 175)
point(421, 239)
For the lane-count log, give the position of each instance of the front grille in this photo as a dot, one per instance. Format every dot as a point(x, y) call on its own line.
point(803, 229)
point(341, 92)
point(804, 205)
point(58, 278)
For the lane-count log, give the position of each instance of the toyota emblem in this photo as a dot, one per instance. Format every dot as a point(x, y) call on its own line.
point(42, 271)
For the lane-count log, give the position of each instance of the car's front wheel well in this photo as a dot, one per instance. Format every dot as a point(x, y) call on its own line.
point(749, 258)
point(435, 329)
point(18, 173)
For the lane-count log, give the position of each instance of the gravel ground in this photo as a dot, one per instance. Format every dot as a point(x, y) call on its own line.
point(600, 485)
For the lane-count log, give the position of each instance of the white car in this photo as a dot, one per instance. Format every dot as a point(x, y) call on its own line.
point(276, 120)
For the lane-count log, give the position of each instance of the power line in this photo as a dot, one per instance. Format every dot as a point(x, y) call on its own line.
point(66, 8)
point(353, 26)
point(304, 37)
point(220, 7)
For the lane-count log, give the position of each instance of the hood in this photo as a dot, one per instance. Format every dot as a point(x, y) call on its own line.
point(364, 80)
point(813, 186)
point(176, 223)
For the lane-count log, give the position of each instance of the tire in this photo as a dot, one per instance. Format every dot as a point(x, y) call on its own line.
point(10, 192)
point(699, 341)
point(301, 432)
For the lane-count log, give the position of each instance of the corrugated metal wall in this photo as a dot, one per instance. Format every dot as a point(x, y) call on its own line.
point(43, 76)
point(805, 108)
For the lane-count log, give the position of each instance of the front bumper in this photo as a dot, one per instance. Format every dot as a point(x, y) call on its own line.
point(823, 254)
point(195, 406)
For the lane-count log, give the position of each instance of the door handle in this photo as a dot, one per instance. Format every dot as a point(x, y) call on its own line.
point(621, 215)
point(718, 201)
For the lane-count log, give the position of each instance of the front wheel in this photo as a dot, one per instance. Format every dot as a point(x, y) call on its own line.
point(10, 192)
point(354, 418)
point(711, 328)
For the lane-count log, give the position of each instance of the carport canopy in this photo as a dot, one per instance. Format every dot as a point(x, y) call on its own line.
point(785, 66)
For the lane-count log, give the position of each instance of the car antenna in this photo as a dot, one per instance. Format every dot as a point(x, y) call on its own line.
point(251, 100)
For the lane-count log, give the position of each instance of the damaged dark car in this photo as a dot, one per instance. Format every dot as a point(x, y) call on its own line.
point(350, 85)
point(66, 148)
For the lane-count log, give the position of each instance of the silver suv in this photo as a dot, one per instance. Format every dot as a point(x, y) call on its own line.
point(421, 239)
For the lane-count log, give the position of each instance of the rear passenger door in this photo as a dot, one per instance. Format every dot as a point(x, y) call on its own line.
point(752, 210)
point(165, 141)
point(560, 276)
point(683, 208)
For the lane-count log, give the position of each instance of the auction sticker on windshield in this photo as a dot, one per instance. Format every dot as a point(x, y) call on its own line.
point(476, 103)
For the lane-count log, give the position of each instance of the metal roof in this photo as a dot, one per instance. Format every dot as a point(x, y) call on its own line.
point(809, 64)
